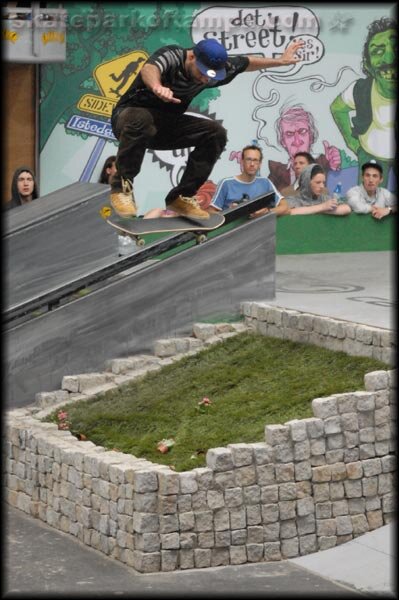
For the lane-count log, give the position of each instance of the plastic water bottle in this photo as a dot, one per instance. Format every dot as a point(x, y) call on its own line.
point(126, 245)
point(337, 194)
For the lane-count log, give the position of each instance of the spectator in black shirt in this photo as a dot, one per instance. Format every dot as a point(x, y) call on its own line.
point(151, 115)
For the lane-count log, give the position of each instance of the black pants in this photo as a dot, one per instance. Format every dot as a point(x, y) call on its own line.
point(140, 128)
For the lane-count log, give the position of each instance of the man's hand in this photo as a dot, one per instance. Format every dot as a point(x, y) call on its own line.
point(165, 94)
point(332, 155)
point(259, 213)
point(379, 212)
point(288, 57)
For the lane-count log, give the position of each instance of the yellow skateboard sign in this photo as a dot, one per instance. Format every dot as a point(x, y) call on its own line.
point(115, 76)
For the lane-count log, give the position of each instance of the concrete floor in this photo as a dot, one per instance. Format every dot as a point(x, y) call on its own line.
point(355, 286)
point(38, 559)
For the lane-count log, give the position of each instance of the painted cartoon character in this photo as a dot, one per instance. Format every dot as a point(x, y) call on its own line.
point(370, 132)
point(297, 132)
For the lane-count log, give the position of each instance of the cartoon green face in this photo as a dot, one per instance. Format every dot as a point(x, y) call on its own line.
point(382, 61)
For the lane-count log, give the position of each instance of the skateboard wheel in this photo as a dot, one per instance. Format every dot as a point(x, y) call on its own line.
point(201, 238)
point(140, 243)
point(106, 212)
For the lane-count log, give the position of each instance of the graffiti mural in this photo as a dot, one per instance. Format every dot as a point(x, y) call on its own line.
point(348, 54)
point(371, 100)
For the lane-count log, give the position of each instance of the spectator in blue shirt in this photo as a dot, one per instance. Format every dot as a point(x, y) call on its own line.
point(247, 185)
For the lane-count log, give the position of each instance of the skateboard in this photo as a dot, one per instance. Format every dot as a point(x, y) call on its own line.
point(136, 227)
point(247, 206)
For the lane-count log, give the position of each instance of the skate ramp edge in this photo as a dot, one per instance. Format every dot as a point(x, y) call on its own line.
point(128, 314)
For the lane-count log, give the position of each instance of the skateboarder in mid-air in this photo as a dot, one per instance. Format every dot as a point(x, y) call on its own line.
point(151, 115)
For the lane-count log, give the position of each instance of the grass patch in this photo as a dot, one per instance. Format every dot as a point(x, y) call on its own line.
point(251, 380)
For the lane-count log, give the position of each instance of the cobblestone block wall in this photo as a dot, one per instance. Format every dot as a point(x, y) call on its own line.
point(310, 485)
point(353, 338)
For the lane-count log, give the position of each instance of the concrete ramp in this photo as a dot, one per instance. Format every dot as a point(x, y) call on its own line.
point(52, 204)
point(135, 307)
point(55, 239)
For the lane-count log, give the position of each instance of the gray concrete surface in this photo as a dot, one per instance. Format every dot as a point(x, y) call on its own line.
point(355, 286)
point(368, 562)
point(129, 312)
point(45, 561)
point(41, 560)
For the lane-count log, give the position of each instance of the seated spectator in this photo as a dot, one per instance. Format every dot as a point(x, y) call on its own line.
point(311, 198)
point(23, 188)
point(108, 170)
point(301, 160)
point(369, 197)
point(247, 185)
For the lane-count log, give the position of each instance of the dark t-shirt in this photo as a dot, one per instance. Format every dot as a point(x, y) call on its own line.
point(170, 60)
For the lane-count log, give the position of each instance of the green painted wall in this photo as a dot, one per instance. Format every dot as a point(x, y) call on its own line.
point(313, 234)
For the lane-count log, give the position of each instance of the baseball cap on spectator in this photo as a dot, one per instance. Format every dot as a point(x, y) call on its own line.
point(372, 163)
point(211, 58)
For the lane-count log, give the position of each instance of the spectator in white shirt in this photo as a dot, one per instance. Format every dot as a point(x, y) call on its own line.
point(369, 197)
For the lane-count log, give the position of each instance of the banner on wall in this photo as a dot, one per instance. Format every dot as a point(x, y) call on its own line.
point(337, 103)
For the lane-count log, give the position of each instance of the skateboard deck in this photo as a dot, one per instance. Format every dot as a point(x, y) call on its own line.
point(137, 227)
point(246, 207)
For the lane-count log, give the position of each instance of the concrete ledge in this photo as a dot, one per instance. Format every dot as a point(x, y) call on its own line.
point(310, 484)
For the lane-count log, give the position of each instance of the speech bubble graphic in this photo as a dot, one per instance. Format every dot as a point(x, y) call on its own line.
point(312, 51)
point(265, 31)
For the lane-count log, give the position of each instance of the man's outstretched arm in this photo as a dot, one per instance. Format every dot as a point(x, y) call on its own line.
point(287, 58)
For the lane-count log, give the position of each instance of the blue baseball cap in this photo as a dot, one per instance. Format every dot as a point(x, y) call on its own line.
point(211, 58)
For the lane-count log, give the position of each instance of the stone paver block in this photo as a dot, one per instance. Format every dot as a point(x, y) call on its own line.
point(277, 434)
point(242, 454)
point(325, 407)
point(219, 459)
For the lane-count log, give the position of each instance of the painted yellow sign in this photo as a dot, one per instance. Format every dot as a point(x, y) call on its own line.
point(116, 76)
point(96, 105)
point(113, 78)
point(53, 36)
point(10, 36)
